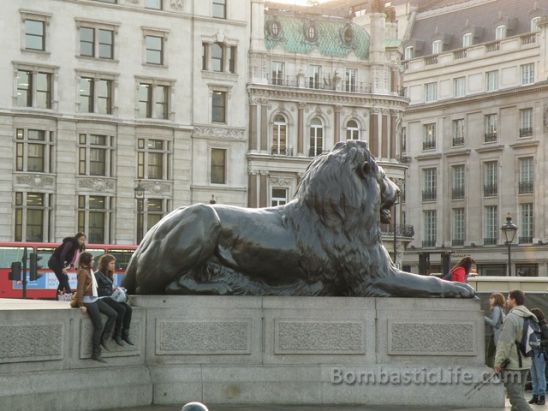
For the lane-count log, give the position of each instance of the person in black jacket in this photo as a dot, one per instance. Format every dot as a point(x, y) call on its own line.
point(105, 288)
point(67, 254)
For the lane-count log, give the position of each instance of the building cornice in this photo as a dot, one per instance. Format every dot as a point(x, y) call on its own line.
point(458, 152)
point(490, 149)
point(525, 144)
point(433, 156)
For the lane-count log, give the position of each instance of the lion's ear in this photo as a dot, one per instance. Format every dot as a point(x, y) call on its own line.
point(365, 168)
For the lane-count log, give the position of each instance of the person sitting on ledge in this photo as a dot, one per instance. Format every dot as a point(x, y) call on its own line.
point(87, 299)
point(460, 272)
point(105, 288)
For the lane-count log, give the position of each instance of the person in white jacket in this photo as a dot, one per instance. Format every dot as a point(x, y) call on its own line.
point(518, 366)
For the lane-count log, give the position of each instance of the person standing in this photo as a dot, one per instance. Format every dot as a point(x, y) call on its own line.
point(65, 255)
point(515, 373)
point(123, 310)
point(460, 271)
point(538, 368)
point(87, 299)
point(496, 303)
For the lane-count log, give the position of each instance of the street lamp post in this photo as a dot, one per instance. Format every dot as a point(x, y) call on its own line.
point(139, 196)
point(509, 229)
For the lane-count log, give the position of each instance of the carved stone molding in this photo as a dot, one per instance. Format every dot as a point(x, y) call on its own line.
point(219, 132)
point(35, 181)
point(280, 181)
point(97, 184)
point(176, 4)
point(157, 187)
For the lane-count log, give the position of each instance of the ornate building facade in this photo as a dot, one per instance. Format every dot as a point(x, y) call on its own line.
point(104, 97)
point(475, 75)
point(319, 76)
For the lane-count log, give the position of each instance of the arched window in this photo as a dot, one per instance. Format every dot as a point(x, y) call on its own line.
point(352, 130)
point(316, 137)
point(217, 57)
point(279, 135)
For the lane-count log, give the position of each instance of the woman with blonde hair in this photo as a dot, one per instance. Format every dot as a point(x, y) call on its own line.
point(105, 277)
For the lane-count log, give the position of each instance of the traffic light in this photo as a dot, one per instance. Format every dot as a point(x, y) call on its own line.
point(15, 273)
point(34, 267)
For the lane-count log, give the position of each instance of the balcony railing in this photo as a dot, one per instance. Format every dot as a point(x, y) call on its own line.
point(428, 195)
point(525, 132)
point(320, 83)
point(529, 39)
point(314, 152)
point(493, 46)
point(457, 193)
point(490, 190)
point(458, 141)
point(526, 187)
point(429, 145)
point(459, 54)
point(455, 242)
point(490, 137)
point(525, 240)
point(431, 60)
point(281, 151)
point(490, 241)
point(402, 230)
point(428, 243)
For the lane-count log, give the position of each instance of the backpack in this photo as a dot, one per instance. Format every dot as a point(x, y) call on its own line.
point(531, 337)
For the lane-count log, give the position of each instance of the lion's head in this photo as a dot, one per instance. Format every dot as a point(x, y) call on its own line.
point(346, 185)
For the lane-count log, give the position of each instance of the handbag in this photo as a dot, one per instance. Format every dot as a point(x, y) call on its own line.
point(119, 295)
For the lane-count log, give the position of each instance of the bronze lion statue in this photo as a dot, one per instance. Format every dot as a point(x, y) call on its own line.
point(326, 241)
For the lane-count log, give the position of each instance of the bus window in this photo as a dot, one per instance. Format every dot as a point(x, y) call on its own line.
point(122, 259)
point(9, 255)
point(45, 254)
point(96, 253)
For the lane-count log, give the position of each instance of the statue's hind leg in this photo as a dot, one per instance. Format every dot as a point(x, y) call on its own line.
point(182, 241)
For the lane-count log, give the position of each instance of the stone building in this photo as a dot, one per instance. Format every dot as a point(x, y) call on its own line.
point(474, 132)
point(319, 76)
point(102, 97)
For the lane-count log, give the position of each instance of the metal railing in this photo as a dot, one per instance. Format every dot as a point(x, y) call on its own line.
point(428, 243)
point(526, 187)
point(525, 240)
point(402, 230)
point(456, 242)
point(490, 137)
point(489, 241)
point(490, 190)
point(429, 145)
point(428, 195)
point(458, 141)
point(457, 193)
point(333, 83)
point(525, 132)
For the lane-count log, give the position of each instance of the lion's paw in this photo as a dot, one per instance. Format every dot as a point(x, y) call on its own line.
point(461, 290)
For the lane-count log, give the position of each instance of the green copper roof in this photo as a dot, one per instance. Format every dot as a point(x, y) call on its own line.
point(332, 38)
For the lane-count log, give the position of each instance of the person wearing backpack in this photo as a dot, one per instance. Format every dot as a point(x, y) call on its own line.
point(538, 369)
point(512, 347)
point(497, 303)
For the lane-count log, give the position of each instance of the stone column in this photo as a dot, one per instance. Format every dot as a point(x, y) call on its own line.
point(384, 136)
point(393, 134)
point(264, 127)
point(263, 194)
point(253, 127)
point(300, 124)
point(374, 133)
point(252, 190)
point(337, 122)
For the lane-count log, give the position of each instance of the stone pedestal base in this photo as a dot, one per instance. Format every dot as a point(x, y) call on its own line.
point(250, 350)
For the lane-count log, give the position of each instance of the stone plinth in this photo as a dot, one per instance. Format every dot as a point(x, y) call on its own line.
point(253, 350)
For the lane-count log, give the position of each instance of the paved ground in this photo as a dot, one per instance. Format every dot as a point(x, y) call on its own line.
point(315, 408)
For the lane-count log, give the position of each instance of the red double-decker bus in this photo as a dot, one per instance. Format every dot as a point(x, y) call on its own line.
point(46, 285)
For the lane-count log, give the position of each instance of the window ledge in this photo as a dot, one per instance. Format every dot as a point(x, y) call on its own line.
point(523, 144)
point(162, 66)
point(220, 75)
point(489, 147)
point(90, 58)
point(33, 51)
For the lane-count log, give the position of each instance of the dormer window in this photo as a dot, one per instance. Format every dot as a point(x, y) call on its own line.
point(467, 40)
point(500, 32)
point(534, 24)
point(409, 52)
point(436, 47)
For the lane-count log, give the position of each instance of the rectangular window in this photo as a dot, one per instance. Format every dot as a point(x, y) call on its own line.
point(219, 9)
point(490, 178)
point(431, 92)
point(409, 53)
point(153, 157)
point(430, 228)
point(218, 107)
point(429, 136)
point(104, 96)
point(232, 58)
point(492, 80)
point(526, 122)
point(350, 80)
point(279, 196)
point(205, 55)
point(277, 73)
point(527, 73)
point(527, 270)
point(95, 96)
point(429, 178)
point(154, 46)
point(436, 47)
point(458, 132)
point(95, 154)
point(314, 75)
point(153, 4)
point(459, 87)
point(153, 101)
point(43, 90)
point(490, 122)
point(95, 42)
point(491, 227)
point(145, 100)
point(500, 32)
point(94, 217)
point(24, 88)
point(35, 35)
point(31, 215)
point(526, 226)
point(467, 40)
point(457, 182)
point(526, 175)
point(218, 166)
point(217, 51)
point(86, 95)
point(458, 227)
point(33, 150)
point(160, 102)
